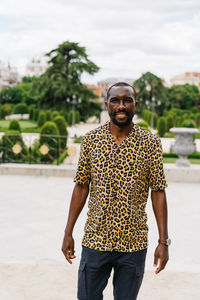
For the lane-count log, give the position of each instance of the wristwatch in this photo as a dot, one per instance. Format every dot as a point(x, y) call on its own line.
point(166, 242)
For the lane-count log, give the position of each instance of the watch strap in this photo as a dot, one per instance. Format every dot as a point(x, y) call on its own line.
point(165, 242)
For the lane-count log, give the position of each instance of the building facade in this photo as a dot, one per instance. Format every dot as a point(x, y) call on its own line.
point(9, 76)
point(36, 67)
point(188, 77)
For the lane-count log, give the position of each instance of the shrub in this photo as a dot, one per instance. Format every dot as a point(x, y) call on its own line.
point(1, 112)
point(35, 114)
point(49, 128)
point(60, 122)
point(78, 140)
point(162, 126)
point(169, 135)
point(77, 116)
point(14, 125)
point(194, 110)
point(48, 115)
point(148, 117)
point(7, 142)
point(144, 114)
point(20, 108)
point(155, 119)
point(197, 119)
point(31, 111)
point(5, 110)
point(194, 155)
point(41, 118)
point(144, 125)
point(54, 114)
point(64, 113)
point(188, 123)
point(170, 122)
point(170, 154)
point(70, 117)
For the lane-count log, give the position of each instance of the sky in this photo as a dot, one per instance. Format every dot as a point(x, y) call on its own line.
point(124, 38)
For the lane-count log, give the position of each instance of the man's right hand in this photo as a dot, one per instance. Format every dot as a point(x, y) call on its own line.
point(68, 248)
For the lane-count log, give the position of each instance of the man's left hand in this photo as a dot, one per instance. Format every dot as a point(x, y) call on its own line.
point(161, 257)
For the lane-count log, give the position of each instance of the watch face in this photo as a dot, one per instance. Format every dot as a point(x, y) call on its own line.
point(168, 242)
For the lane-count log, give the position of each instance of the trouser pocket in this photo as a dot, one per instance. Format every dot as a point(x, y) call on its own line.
point(82, 293)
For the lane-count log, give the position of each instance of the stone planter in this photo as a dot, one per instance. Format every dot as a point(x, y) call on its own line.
point(184, 144)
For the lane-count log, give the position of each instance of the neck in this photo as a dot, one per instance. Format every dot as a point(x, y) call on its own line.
point(120, 132)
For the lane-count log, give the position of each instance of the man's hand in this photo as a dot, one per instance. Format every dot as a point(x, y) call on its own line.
point(161, 257)
point(68, 248)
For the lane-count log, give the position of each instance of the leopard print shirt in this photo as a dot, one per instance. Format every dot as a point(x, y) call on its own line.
point(120, 178)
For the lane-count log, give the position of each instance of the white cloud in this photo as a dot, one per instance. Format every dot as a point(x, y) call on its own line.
point(124, 38)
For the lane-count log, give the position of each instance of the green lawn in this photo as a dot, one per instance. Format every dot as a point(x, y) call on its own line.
point(171, 160)
point(23, 123)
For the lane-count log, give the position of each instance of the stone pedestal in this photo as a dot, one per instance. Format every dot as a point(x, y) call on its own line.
point(184, 144)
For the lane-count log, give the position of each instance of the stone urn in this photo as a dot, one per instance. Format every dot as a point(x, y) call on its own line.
point(184, 144)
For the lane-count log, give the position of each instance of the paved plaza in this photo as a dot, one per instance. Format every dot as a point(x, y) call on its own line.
point(33, 216)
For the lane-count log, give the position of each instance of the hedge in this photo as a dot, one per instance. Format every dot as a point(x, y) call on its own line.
point(60, 122)
point(41, 118)
point(14, 125)
point(162, 126)
point(11, 138)
point(20, 108)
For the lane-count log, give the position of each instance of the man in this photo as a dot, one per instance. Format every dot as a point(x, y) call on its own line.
point(120, 161)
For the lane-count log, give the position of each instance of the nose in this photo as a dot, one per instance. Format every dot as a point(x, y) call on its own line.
point(121, 104)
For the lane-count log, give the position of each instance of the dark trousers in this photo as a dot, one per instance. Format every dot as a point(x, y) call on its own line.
point(95, 268)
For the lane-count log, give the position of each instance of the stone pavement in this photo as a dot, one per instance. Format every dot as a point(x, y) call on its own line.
point(33, 216)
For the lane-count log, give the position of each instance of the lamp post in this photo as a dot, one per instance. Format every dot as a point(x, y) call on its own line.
point(151, 103)
point(74, 102)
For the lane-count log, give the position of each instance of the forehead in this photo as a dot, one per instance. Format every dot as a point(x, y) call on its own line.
point(121, 91)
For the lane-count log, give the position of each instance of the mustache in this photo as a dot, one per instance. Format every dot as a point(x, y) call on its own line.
point(120, 111)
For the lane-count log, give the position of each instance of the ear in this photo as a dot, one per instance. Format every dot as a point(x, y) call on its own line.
point(106, 104)
point(136, 104)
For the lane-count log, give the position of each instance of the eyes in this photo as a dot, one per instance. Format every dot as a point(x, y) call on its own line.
point(117, 101)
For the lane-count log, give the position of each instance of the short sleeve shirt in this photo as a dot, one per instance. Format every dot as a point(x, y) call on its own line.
point(120, 177)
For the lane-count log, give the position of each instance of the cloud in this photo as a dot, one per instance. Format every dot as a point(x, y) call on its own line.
point(125, 38)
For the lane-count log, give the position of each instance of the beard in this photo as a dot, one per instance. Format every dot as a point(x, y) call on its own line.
point(123, 122)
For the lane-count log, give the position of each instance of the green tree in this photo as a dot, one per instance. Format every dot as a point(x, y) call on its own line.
point(11, 95)
point(151, 93)
point(19, 93)
point(183, 96)
point(62, 79)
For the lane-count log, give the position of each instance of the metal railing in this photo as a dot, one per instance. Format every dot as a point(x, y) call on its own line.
point(33, 149)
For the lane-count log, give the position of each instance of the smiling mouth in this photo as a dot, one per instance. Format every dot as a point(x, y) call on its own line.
point(121, 114)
